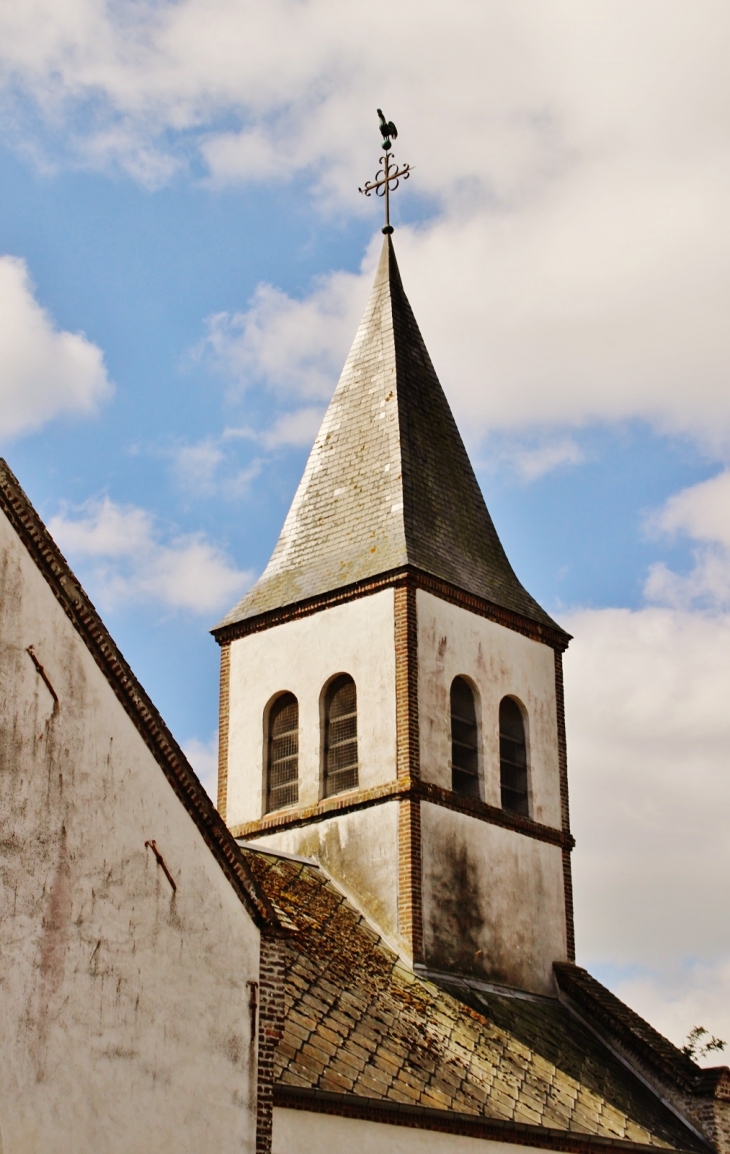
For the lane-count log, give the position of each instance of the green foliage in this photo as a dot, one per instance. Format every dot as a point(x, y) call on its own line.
point(696, 1047)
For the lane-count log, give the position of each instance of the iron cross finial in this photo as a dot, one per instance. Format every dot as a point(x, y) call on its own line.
point(389, 176)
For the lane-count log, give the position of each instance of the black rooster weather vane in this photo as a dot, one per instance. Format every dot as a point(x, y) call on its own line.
point(389, 176)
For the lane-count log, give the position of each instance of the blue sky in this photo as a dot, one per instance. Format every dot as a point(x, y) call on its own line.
point(184, 257)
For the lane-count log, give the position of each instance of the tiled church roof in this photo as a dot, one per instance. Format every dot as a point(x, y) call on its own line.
point(388, 483)
point(362, 1026)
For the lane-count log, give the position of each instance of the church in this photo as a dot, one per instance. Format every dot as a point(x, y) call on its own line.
point(369, 943)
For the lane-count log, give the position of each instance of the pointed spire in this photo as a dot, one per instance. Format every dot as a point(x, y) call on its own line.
point(388, 482)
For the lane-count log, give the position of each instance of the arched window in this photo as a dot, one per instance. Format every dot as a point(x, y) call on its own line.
point(340, 737)
point(282, 777)
point(464, 745)
point(512, 757)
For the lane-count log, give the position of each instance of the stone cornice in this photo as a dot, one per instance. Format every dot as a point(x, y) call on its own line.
point(414, 578)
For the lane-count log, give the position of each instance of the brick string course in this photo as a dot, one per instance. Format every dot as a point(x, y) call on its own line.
point(400, 791)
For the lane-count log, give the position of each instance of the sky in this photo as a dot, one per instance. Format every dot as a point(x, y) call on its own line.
point(184, 258)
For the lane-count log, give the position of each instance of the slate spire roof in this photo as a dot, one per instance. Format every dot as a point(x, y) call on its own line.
point(388, 483)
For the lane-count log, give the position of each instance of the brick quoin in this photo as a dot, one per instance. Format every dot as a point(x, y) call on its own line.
point(410, 903)
point(271, 1013)
point(564, 806)
point(406, 682)
point(224, 716)
point(410, 897)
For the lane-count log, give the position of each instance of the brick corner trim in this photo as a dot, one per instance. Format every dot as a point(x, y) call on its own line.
point(564, 806)
point(224, 719)
point(271, 1012)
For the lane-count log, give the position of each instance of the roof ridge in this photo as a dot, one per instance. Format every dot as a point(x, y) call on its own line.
point(138, 705)
point(636, 1033)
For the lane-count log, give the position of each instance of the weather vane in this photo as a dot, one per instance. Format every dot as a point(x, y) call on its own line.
point(389, 176)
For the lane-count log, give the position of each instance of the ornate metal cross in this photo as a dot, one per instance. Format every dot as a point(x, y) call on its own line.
point(390, 175)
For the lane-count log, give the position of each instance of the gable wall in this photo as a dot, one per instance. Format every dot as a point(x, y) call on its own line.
point(125, 1009)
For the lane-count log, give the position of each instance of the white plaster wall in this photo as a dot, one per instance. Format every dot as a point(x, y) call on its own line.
point(493, 901)
point(301, 656)
point(360, 852)
point(124, 1008)
point(499, 662)
point(302, 1132)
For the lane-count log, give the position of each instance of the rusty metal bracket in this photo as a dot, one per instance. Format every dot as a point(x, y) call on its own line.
point(161, 862)
point(42, 674)
point(253, 1002)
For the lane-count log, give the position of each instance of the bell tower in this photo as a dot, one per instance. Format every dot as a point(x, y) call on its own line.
point(391, 696)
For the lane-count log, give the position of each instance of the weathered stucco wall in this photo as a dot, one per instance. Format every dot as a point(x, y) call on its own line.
point(302, 657)
point(302, 1132)
point(360, 852)
point(498, 662)
point(493, 902)
point(124, 1005)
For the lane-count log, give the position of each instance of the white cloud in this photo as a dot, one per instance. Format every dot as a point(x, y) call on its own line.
point(697, 994)
point(649, 739)
point(533, 461)
point(299, 427)
point(575, 337)
point(706, 585)
point(701, 512)
point(129, 560)
point(648, 735)
point(44, 371)
point(203, 756)
point(207, 468)
point(577, 268)
point(295, 347)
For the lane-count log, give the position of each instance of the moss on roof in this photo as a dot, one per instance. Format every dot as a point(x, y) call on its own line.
point(360, 1022)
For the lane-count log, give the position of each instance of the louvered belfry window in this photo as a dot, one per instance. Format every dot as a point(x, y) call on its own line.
point(340, 761)
point(513, 758)
point(464, 742)
point(283, 759)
